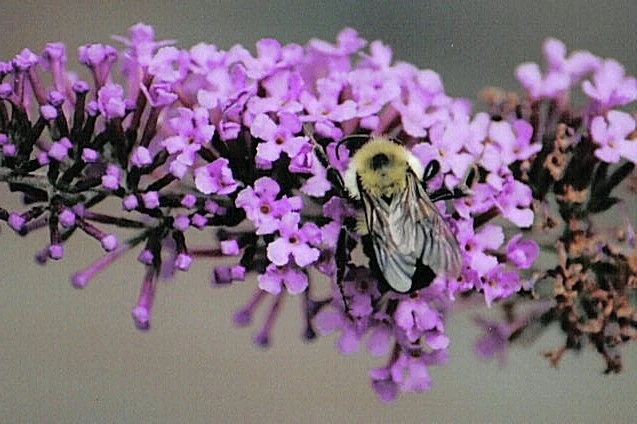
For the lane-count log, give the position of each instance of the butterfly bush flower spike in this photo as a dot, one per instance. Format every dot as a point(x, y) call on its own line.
point(250, 147)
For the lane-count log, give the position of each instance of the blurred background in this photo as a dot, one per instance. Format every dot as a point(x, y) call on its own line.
point(72, 355)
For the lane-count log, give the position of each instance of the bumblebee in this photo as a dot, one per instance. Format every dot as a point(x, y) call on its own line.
point(411, 240)
point(403, 233)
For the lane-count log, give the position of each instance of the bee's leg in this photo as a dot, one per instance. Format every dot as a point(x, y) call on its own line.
point(341, 258)
point(446, 194)
point(459, 191)
point(432, 168)
point(333, 176)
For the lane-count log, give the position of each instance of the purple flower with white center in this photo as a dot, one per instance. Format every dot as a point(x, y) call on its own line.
point(215, 178)
point(295, 241)
point(325, 109)
point(446, 146)
point(610, 86)
point(489, 237)
point(193, 130)
point(278, 138)
point(261, 206)
point(513, 141)
point(288, 276)
point(499, 284)
point(613, 137)
point(522, 253)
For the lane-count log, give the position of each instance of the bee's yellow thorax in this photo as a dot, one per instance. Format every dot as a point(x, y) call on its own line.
point(382, 167)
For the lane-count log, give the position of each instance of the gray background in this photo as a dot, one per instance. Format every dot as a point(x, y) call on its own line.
point(74, 356)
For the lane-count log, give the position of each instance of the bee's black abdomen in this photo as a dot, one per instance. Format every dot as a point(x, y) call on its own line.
point(379, 160)
point(422, 278)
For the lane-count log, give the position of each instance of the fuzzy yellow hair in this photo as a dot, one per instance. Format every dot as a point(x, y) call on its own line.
point(382, 167)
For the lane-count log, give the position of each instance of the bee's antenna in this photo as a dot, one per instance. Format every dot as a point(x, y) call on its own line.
point(360, 138)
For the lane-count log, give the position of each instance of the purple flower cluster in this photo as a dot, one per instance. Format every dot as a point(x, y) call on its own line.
point(207, 138)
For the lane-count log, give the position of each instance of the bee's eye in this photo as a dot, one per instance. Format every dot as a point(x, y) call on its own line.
point(379, 160)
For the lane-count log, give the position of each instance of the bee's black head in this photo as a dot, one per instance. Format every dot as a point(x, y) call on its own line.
point(379, 161)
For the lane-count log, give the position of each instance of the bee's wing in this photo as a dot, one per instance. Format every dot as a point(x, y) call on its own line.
point(441, 251)
point(410, 230)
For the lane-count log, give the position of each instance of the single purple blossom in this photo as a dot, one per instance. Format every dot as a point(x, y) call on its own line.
point(278, 138)
point(522, 253)
point(263, 208)
point(276, 277)
point(476, 244)
point(612, 135)
point(610, 86)
point(499, 284)
point(295, 242)
point(216, 177)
